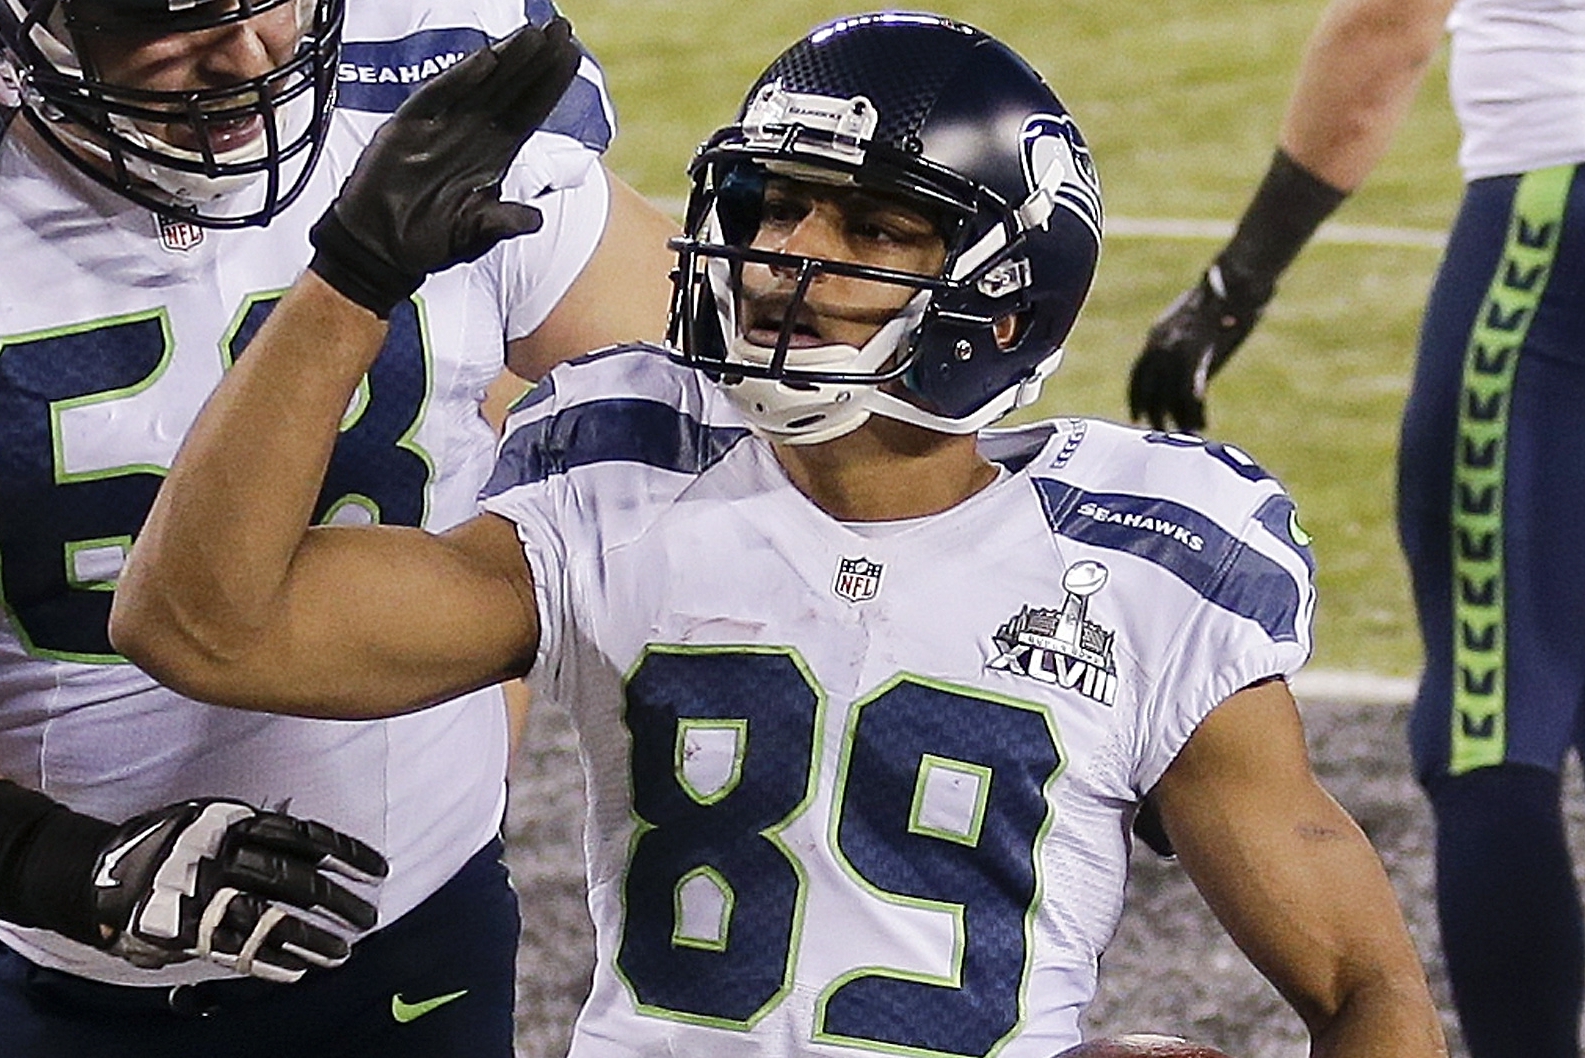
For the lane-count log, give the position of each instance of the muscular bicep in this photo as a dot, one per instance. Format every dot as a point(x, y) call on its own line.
point(1291, 876)
point(373, 621)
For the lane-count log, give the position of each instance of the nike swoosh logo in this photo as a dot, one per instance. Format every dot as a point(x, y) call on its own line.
point(104, 879)
point(404, 1012)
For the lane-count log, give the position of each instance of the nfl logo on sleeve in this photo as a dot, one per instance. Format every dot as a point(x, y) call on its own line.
point(858, 579)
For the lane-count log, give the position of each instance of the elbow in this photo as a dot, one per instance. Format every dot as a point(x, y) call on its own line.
point(1380, 993)
point(138, 635)
point(1399, 1013)
point(151, 632)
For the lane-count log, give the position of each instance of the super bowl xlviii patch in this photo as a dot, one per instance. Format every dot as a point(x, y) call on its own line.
point(858, 579)
point(178, 236)
point(1062, 646)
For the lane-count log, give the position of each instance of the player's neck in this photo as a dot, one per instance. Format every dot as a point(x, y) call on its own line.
point(887, 471)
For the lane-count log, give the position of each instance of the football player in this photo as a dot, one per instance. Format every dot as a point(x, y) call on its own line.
point(868, 696)
point(161, 163)
point(1489, 472)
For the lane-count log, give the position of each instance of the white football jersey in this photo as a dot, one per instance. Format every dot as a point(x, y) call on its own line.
point(1514, 72)
point(869, 787)
point(114, 328)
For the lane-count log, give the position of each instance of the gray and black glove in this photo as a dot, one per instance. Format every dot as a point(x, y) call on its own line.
point(257, 892)
point(426, 192)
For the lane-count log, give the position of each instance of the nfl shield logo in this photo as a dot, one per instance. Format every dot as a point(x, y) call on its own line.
point(179, 236)
point(858, 579)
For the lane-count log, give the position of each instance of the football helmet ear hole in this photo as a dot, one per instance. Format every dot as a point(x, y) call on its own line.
point(1009, 330)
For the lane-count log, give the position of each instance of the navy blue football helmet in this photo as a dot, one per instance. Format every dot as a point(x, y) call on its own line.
point(225, 155)
point(951, 122)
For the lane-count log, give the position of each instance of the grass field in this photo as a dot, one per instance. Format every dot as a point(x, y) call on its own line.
point(1180, 101)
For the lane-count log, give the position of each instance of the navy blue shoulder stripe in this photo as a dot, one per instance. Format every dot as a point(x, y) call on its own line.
point(538, 393)
point(1281, 515)
point(1185, 543)
point(624, 429)
point(539, 11)
point(377, 76)
point(1014, 449)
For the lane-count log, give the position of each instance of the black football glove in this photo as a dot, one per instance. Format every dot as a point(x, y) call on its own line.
point(1186, 346)
point(426, 193)
point(218, 880)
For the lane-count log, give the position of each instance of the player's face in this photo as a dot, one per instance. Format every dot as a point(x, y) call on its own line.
point(207, 58)
point(838, 224)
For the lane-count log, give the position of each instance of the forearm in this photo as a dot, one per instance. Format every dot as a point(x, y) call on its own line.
point(206, 577)
point(1311, 906)
point(47, 853)
point(229, 595)
point(1361, 69)
point(1376, 1012)
point(1367, 996)
point(1296, 882)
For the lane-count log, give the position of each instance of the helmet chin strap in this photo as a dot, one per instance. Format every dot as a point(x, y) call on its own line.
point(808, 413)
point(185, 188)
point(812, 413)
point(880, 402)
point(824, 411)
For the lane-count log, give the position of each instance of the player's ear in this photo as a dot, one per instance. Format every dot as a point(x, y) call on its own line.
point(1006, 331)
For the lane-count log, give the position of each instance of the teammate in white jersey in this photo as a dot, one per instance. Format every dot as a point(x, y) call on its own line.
point(135, 261)
point(867, 703)
point(1491, 482)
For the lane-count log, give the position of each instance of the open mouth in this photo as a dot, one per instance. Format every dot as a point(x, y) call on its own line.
point(764, 319)
point(768, 334)
point(223, 137)
point(227, 136)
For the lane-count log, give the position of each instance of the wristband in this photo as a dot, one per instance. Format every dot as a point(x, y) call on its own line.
point(360, 276)
point(47, 857)
point(1289, 205)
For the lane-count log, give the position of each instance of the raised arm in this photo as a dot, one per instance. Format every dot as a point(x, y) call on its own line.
point(1295, 881)
point(1362, 67)
point(230, 596)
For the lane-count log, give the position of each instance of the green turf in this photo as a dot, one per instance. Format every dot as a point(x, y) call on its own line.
point(1180, 100)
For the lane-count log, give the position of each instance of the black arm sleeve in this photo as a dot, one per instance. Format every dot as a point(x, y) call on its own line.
point(47, 856)
point(1289, 205)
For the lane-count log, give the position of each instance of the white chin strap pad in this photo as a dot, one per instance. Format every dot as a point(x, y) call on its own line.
point(821, 411)
point(796, 416)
